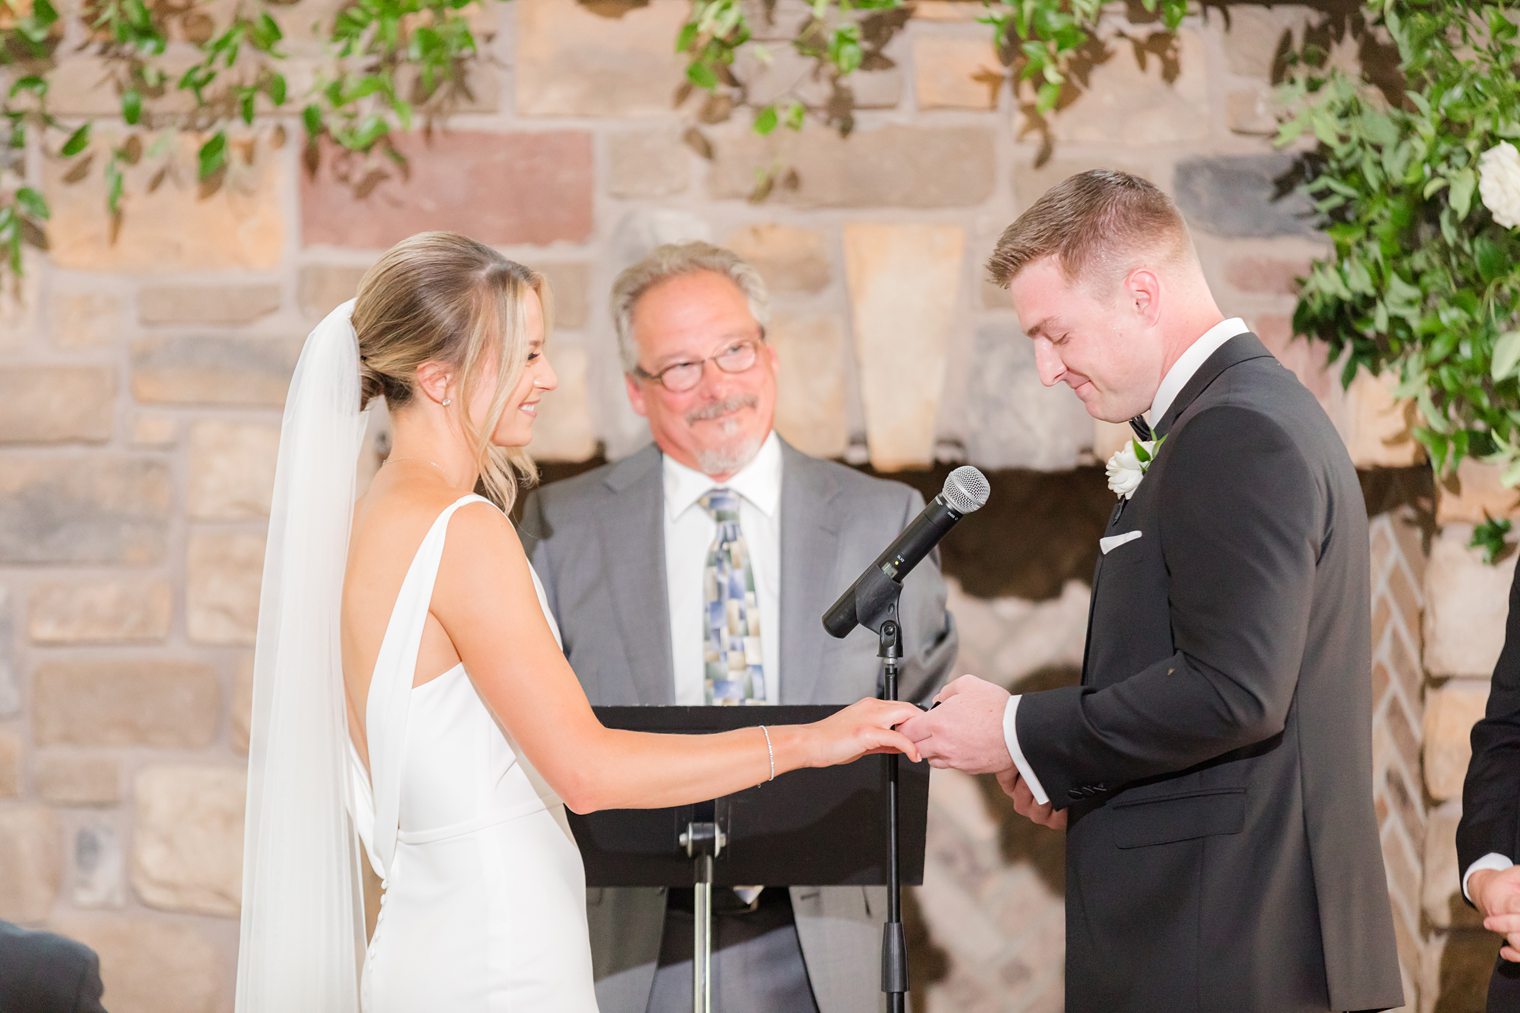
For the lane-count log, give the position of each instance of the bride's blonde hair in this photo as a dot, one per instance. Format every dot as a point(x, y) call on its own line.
point(440, 296)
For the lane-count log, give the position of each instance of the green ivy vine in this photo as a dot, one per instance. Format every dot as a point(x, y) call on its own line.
point(389, 59)
point(1422, 282)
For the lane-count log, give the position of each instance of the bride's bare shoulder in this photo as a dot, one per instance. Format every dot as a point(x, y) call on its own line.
point(392, 514)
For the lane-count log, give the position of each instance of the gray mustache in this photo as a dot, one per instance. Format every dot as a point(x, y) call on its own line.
point(716, 409)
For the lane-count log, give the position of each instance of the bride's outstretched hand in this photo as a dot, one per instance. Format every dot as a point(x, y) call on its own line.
point(864, 727)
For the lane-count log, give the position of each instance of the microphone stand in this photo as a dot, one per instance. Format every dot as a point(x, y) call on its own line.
point(876, 606)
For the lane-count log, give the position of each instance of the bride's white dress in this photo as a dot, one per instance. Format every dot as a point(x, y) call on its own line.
point(484, 900)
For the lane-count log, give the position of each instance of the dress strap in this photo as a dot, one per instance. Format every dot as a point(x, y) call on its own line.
point(390, 691)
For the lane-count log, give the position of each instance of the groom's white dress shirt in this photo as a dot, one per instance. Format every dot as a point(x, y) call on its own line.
point(1176, 378)
point(689, 533)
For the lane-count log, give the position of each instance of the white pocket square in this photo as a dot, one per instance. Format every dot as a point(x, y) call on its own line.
point(1112, 542)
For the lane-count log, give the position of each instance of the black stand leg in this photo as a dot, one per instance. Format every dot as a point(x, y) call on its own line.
point(894, 947)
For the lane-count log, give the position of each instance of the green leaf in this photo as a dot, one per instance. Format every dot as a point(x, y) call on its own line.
point(275, 89)
point(1462, 188)
point(766, 120)
point(1141, 454)
point(131, 105)
point(687, 37)
point(702, 75)
point(795, 114)
point(1506, 361)
point(311, 118)
point(1489, 536)
point(30, 83)
point(370, 129)
point(115, 183)
point(77, 142)
point(212, 155)
point(32, 203)
point(1047, 96)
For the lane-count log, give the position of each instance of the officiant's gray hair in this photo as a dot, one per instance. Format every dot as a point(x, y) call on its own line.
point(672, 261)
point(1097, 224)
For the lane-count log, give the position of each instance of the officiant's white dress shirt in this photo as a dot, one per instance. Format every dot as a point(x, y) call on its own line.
point(1176, 378)
point(689, 533)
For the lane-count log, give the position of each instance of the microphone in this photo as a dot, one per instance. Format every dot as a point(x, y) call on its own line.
point(966, 490)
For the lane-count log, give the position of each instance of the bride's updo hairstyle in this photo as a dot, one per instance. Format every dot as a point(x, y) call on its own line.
point(439, 296)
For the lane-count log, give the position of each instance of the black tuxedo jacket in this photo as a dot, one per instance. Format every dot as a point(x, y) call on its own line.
point(1491, 792)
point(1216, 761)
point(45, 973)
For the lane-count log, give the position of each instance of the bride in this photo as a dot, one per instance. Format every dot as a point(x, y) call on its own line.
point(411, 702)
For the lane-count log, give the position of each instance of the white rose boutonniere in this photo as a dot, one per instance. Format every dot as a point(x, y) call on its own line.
point(1129, 465)
point(1499, 183)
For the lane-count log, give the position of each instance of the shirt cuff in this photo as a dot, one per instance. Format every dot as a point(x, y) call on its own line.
point(1011, 737)
point(1492, 860)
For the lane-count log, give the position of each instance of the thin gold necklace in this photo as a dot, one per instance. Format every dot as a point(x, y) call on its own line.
point(416, 460)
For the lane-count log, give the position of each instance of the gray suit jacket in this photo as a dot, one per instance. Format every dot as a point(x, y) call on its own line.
point(1222, 849)
point(597, 542)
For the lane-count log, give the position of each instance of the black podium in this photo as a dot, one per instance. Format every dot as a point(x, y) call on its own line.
point(826, 827)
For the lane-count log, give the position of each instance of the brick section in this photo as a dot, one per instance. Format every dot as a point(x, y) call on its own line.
point(1242, 196)
point(614, 58)
point(102, 610)
point(213, 371)
point(223, 570)
point(31, 845)
point(235, 223)
point(57, 404)
point(902, 328)
point(1473, 493)
point(1134, 98)
point(789, 257)
point(187, 854)
point(1397, 572)
point(812, 407)
point(83, 509)
point(957, 72)
point(201, 304)
point(151, 702)
point(500, 188)
point(896, 166)
point(1464, 626)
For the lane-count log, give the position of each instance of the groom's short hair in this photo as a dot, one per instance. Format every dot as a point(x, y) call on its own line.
point(1095, 224)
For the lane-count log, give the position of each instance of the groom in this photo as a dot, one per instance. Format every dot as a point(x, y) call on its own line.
point(627, 555)
point(1213, 769)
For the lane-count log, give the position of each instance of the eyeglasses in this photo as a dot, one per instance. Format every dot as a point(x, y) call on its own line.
point(679, 377)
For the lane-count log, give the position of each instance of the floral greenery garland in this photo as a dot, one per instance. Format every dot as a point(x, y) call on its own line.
point(358, 99)
point(1042, 37)
point(1424, 279)
point(360, 103)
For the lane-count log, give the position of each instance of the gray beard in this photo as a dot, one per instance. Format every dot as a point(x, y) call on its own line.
point(729, 459)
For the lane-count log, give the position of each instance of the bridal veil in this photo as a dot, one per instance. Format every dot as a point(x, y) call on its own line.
point(302, 936)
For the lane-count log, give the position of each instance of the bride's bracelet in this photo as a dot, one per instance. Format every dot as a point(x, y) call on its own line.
point(770, 752)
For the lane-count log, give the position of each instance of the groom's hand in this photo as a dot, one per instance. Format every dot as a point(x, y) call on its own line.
point(964, 729)
point(1024, 804)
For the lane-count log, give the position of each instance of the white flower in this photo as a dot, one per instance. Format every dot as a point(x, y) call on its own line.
point(1129, 465)
point(1499, 183)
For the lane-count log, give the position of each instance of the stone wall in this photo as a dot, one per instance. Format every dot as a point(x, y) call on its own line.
point(149, 356)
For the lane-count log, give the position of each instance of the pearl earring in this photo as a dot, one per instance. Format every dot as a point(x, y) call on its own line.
point(447, 401)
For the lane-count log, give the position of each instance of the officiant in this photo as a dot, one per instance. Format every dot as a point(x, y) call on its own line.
point(651, 562)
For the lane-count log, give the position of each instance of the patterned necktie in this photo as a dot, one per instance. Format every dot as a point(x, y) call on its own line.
point(731, 652)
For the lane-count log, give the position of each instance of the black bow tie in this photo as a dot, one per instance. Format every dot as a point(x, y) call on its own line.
point(1141, 427)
